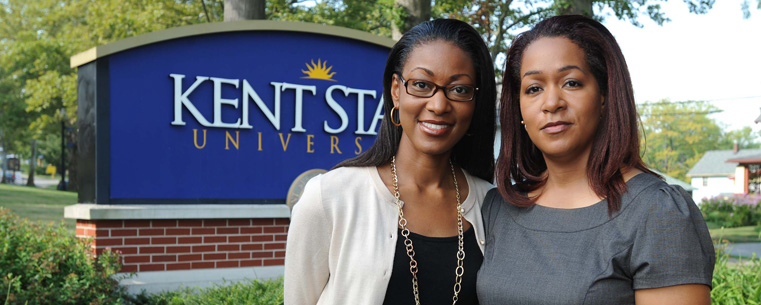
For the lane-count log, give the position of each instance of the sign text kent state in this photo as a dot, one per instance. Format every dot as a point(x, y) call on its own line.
point(239, 115)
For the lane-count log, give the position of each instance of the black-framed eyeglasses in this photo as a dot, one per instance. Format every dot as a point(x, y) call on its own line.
point(424, 88)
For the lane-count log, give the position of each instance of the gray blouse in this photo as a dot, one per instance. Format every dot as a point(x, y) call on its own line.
point(541, 255)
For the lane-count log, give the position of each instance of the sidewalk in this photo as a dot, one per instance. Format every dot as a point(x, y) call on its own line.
point(746, 250)
point(41, 181)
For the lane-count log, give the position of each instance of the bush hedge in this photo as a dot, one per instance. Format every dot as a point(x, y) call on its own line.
point(736, 283)
point(47, 264)
point(732, 211)
point(243, 293)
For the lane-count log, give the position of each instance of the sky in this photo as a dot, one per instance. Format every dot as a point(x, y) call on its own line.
point(714, 57)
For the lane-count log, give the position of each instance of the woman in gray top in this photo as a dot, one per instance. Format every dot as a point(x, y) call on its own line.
point(577, 217)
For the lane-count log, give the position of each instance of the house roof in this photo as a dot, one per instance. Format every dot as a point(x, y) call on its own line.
point(747, 159)
point(714, 162)
point(671, 180)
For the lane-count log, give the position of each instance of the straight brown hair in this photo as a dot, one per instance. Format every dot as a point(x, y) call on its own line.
point(616, 144)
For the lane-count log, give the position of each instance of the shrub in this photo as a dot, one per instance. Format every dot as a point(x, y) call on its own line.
point(736, 283)
point(40, 170)
point(246, 292)
point(733, 211)
point(47, 264)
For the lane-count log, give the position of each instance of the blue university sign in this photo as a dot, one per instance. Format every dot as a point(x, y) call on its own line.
point(227, 112)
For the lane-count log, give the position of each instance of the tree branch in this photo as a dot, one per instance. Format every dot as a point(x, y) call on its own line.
point(524, 18)
point(205, 11)
point(500, 32)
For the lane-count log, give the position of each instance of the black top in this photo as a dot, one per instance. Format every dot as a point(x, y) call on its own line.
point(437, 260)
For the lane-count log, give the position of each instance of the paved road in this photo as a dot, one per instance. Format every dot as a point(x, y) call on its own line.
point(39, 181)
point(745, 249)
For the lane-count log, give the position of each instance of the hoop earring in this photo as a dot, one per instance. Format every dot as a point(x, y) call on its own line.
point(391, 116)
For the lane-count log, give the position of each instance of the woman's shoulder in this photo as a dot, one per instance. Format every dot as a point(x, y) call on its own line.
point(652, 203)
point(342, 183)
point(650, 192)
point(493, 203)
point(343, 176)
point(332, 188)
point(334, 178)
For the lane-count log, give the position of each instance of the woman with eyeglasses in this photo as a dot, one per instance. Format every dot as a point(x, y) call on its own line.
point(578, 218)
point(401, 223)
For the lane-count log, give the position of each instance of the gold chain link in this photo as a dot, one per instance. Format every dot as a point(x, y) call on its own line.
point(460, 270)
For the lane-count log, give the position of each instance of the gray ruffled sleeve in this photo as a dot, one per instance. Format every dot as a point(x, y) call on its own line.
point(672, 244)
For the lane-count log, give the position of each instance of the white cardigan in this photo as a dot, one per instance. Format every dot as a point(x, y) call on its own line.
point(343, 233)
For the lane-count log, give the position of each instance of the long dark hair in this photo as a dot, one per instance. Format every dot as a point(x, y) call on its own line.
point(616, 143)
point(474, 152)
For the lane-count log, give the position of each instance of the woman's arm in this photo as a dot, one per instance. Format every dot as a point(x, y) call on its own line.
point(306, 255)
point(674, 295)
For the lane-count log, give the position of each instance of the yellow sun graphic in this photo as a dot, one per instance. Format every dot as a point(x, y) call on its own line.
point(319, 71)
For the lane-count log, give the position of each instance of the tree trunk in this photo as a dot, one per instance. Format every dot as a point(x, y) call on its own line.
point(412, 12)
point(236, 10)
point(32, 164)
point(4, 158)
point(578, 7)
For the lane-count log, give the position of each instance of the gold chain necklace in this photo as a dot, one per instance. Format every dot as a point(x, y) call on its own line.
point(408, 242)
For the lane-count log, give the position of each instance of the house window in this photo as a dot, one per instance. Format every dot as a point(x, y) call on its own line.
point(705, 181)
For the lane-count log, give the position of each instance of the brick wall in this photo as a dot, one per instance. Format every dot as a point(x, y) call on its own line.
point(163, 245)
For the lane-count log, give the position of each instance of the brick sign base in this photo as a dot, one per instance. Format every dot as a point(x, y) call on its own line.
point(184, 244)
point(165, 247)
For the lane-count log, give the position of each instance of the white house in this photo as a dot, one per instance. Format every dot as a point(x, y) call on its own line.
point(715, 174)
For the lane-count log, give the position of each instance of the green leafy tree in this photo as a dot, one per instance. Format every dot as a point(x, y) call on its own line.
point(744, 138)
point(13, 120)
point(677, 134)
point(37, 38)
point(373, 16)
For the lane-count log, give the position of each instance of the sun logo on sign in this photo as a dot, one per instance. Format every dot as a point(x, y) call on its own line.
point(319, 71)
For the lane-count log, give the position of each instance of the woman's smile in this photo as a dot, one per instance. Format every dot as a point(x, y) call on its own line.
point(435, 128)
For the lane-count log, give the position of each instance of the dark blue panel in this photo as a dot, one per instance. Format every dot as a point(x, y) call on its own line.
point(153, 159)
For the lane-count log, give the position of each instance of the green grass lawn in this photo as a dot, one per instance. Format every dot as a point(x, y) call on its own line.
point(747, 234)
point(37, 204)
